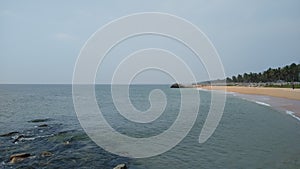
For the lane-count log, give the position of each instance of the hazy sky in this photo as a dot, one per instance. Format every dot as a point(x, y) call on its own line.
point(40, 40)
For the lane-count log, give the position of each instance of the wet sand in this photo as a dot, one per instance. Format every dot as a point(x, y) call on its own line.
point(285, 99)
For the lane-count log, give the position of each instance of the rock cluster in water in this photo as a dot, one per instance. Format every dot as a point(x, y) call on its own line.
point(40, 130)
point(18, 157)
point(120, 166)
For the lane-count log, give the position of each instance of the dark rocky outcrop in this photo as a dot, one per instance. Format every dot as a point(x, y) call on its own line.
point(18, 157)
point(177, 85)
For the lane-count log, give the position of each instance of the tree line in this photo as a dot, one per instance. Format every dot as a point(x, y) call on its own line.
point(288, 73)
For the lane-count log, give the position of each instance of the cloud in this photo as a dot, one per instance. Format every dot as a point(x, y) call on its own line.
point(64, 37)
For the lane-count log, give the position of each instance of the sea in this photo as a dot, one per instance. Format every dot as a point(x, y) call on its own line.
point(41, 120)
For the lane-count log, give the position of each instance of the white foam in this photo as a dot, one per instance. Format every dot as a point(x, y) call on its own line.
point(217, 91)
point(33, 138)
point(201, 89)
point(292, 114)
point(262, 103)
point(232, 93)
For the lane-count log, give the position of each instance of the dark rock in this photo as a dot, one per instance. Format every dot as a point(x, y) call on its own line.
point(39, 120)
point(177, 85)
point(43, 125)
point(9, 134)
point(18, 138)
point(120, 166)
point(18, 157)
point(46, 154)
point(66, 143)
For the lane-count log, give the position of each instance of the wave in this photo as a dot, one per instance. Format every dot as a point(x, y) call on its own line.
point(292, 114)
point(25, 138)
point(216, 91)
point(201, 89)
point(262, 103)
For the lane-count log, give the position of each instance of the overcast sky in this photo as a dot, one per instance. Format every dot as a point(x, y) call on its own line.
point(40, 40)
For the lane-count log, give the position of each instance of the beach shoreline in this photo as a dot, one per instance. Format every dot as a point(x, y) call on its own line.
point(284, 99)
point(287, 93)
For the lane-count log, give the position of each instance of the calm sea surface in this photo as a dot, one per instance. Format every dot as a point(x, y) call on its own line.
point(42, 119)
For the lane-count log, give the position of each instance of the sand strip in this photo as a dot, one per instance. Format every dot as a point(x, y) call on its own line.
point(268, 91)
point(281, 98)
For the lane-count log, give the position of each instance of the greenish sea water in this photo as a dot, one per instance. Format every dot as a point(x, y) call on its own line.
point(43, 118)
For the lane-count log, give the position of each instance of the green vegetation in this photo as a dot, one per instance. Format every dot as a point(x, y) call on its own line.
point(283, 75)
point(289, 85)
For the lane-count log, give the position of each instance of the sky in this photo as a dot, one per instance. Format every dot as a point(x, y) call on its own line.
point(41, 40)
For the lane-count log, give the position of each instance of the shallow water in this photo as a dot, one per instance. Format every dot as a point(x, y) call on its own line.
point(249, 135)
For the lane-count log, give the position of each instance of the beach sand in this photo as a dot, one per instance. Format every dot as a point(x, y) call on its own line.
point(281, 98)
point(268, 91)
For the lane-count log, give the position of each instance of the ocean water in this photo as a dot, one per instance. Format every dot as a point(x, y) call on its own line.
point(41, 118)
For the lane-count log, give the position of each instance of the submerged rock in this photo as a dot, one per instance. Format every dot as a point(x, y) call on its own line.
point(66, 142)
point(39, 120)
point(43, 125)
point(46, 154)
point(19, 138)
point(18, 157)
point(9, 134)
point(120, 166)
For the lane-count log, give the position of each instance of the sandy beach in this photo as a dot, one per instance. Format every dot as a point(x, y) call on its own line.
point(281, 98)
point(268, 91)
